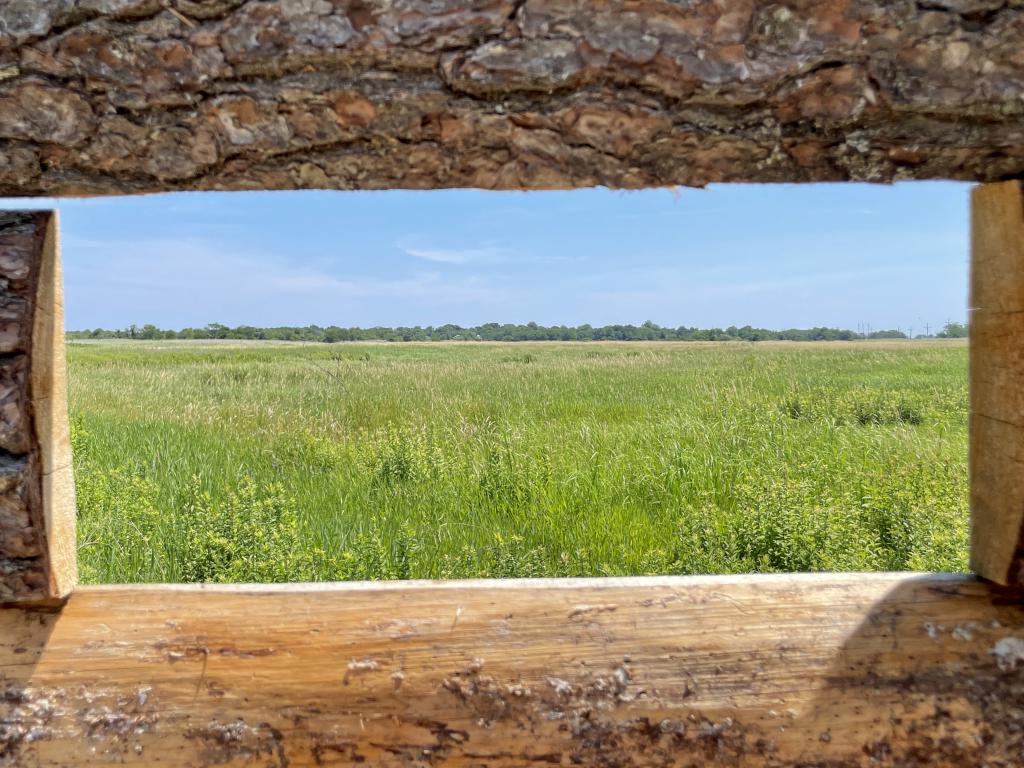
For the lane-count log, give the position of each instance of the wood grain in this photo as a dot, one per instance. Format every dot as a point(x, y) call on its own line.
point(826, 670)
point(50, 417)
point(997, 382)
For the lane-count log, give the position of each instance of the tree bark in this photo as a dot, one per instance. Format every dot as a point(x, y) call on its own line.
point(37, 498)
point(130, 96)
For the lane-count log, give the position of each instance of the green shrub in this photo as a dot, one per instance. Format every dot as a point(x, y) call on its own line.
point(307, 454)
point(394, 456)
point(706, 543)
point(792, 407)
point(463, 563)
point(118, 518)
point(872, 407)
point(903, 520)
point(525, 359)
point(252, 535)
point(508, 557)
point(368, 558)
point(916, 520)
point(505, 476)
point(118, 525)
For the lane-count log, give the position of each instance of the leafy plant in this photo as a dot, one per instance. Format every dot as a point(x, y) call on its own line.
point(251, 535)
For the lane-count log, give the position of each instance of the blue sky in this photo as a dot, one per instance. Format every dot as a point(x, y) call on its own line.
point(766, 255)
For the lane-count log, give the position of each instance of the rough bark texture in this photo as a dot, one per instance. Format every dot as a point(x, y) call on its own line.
point(24, 565)
point(831, 671)
point(121, 96)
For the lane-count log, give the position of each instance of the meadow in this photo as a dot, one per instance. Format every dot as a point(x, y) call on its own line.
point(207, 461)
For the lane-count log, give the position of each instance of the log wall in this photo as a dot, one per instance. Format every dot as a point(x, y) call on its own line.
point(839, 671)
point(129, 96)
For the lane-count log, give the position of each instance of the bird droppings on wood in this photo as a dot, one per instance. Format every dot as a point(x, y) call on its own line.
point(964, 632)
point(225, 743)
point(560, 686)
point(394, 629)
point(718, 680)
point(110, 723)
point(25, 720)
point(582, 610)
point(359, 667)
point(586, 713)
point(1009, 652)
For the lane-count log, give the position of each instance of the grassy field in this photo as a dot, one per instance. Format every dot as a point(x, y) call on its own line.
point(203, 461)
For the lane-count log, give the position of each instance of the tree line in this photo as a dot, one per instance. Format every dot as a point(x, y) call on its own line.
point(648, 331)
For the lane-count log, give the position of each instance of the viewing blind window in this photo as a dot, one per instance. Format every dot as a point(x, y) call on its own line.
point(338, 386)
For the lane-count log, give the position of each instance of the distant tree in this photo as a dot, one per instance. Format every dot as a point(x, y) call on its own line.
point(532, 331)
point(953, 331)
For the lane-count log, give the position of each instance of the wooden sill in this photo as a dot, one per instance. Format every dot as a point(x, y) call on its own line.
point(826, 669)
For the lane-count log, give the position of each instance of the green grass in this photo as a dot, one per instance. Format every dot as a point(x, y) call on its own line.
point(272, 462)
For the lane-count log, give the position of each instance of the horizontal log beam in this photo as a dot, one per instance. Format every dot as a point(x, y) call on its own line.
point(825, 670)
point(123, 96)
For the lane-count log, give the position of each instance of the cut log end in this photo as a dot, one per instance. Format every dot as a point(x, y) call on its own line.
point(37, 557)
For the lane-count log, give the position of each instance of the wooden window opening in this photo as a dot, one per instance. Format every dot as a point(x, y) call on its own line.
point(838, 670)
point(731, 670)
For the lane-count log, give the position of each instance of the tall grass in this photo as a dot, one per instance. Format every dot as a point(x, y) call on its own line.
point(219, 462)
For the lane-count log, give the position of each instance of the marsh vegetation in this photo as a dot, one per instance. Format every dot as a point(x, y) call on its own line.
point(207, 461)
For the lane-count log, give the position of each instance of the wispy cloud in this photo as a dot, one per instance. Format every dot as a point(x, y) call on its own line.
point(485, 254)
point(209, 283)
point(451, 256)
point(765, 255)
